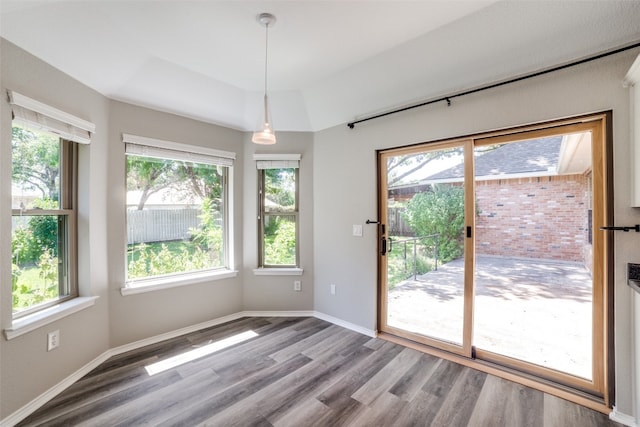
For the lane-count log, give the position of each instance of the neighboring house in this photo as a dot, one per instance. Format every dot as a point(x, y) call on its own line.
point(549, 176)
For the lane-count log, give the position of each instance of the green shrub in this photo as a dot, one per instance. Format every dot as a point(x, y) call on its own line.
point(280, 242)
point(439, 211)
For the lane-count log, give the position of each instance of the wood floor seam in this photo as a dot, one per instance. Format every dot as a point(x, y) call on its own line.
point(300, 372)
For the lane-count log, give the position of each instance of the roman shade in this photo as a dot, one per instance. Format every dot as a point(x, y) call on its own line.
point(161, 149)
point(35, 114)
point(277, 161)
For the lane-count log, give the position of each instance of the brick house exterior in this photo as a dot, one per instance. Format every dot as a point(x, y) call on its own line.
point(539, 217)
point(525, 208)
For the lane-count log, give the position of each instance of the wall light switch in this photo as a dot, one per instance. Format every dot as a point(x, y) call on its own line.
point(357, 230)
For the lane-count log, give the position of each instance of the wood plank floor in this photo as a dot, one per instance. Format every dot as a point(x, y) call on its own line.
point(299, 372)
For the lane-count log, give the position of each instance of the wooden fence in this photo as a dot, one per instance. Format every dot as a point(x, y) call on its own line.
point(397, 225)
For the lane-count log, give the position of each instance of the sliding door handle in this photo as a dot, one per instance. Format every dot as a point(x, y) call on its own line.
point(383, 246)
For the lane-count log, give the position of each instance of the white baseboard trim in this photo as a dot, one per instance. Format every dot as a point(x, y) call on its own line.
point(345, 324)
point(625, 419)
point(168, 335)
point(45, 397)
point(298, 313)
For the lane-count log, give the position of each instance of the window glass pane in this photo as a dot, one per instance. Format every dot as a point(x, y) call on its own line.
point(280, 240)
point(280, 190)
point(39, 238)
point(36, 173)
point(38, 268)
point(279, 213)
point(175, 217)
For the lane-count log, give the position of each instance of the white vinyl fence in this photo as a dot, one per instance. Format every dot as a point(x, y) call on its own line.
point(160, 225)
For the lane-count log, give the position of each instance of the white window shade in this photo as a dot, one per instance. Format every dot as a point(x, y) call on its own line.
point(161, 149)
point(41, 116)
point(277, 161)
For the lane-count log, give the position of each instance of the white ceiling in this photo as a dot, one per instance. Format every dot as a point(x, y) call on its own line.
point(330, 62)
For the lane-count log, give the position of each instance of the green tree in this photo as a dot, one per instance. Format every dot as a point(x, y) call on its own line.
point(439, 211)
point(209, 235)
point(280, 188)
point(40, 234)
point(48, 269)
point(205, 181)
point(280, 242)
point(36, 161)
point(148, 176)
point(22, 247)
point(400, 167)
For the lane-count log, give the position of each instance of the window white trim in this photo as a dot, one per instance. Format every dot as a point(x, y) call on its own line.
point(175, 151)
point(42, 116)
point(159, 148)
point(278, 271)
point(173, 281)
point(41, 318)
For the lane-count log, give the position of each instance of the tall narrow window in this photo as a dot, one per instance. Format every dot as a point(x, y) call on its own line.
point(177, 209)
point(43, 201)
point(278, 218)
point(43, 220)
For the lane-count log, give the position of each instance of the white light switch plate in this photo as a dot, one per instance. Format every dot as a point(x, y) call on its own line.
point(357, 230)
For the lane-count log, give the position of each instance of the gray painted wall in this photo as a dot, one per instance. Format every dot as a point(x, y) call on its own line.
point(338, 189)
point(139, 316)
point(27, 369)
point(276, 292)
point(345, 176)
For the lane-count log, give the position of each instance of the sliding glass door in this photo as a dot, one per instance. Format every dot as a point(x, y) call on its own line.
point(490, 248)
point(426, 223)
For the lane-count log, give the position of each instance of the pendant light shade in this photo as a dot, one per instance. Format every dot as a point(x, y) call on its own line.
point(265, 134)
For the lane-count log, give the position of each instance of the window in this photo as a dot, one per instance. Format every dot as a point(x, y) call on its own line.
point(278, 206)
point(43, 202)
point(177, 210)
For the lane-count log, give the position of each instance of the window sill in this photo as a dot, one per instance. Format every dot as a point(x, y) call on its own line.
point(151, 285)
point(278, 271)
point(37, 320)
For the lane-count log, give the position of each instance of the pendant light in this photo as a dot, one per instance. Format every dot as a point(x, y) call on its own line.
point(266, 135)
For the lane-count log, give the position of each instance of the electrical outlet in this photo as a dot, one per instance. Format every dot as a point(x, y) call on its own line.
point(53, 340)
point(357, 230)
point(333, 289)
point(297, 286)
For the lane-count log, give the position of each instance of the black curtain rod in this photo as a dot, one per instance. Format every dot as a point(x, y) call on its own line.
point(448, 98)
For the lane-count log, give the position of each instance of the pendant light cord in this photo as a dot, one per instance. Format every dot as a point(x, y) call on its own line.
point(266, 59)
point(266, 56)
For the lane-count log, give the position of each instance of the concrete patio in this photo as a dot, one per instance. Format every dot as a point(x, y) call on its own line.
point(535, 310)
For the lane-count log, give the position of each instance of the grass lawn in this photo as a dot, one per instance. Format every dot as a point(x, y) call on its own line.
point(32, 289)
point(175, 248)
point(400, 264)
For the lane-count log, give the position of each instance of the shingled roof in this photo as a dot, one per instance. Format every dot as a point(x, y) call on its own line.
point(532, 156)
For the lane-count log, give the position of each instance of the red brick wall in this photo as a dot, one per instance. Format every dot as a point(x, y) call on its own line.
point(542, 217)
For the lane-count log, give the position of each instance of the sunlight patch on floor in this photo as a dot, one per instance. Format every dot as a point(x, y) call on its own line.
point(197, 353)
